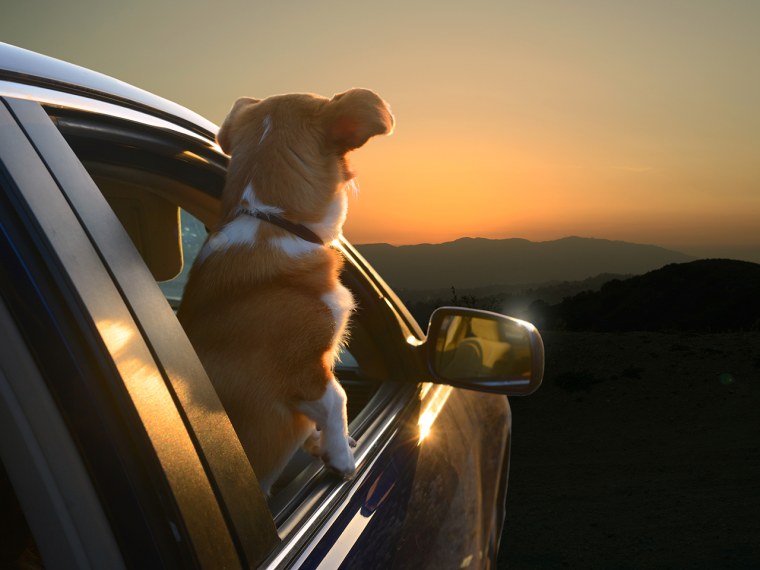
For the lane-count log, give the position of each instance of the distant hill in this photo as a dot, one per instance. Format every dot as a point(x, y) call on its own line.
point(513, 300)
point(709, 294)
point(549, 291)
point(477, 262)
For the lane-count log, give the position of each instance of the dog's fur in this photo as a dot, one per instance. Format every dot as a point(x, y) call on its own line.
point(264, 308)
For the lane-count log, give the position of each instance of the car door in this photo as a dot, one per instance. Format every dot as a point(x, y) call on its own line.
point(160, 454)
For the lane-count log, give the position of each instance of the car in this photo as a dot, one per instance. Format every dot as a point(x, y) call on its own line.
point(116, 452)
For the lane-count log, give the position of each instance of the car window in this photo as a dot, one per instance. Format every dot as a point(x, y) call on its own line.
point(346, 360)
point(168, 220)
point(193, 234)
point(166, 203)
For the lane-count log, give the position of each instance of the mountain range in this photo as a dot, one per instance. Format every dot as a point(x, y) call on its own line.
point(469, 263)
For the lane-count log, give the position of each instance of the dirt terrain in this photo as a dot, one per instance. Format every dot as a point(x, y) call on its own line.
point(640, 450)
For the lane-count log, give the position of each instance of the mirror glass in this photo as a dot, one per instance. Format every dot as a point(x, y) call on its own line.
point(488, 347)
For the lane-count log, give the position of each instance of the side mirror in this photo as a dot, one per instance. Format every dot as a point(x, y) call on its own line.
point(484, 351)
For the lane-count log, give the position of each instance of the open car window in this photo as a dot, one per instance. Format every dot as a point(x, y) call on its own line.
point(167, 211)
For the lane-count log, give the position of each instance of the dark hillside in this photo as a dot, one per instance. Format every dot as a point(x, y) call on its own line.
point(513, 300)
point(704, 295)
point(477, 262)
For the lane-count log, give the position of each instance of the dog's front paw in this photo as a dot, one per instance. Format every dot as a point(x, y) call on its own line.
point(339, 458)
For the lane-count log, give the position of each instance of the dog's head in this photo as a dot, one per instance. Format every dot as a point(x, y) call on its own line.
point(292, 148)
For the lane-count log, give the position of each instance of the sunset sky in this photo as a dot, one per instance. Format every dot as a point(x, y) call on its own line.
point(635, 121)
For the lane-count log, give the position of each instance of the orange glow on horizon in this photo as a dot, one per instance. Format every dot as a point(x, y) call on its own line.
point(439, 195)
point(631, 121)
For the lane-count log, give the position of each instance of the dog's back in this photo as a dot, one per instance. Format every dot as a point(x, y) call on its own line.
point(263, 305)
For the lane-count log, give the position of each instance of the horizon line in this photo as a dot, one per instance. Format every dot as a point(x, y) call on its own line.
point(741, 252)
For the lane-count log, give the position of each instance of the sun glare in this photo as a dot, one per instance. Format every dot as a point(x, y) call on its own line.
point(115, 334)
point(432, 403)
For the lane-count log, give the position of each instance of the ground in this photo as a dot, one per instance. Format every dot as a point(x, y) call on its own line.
point(640, 450)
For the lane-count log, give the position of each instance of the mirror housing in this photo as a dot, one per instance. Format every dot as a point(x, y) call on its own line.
point(483, 351)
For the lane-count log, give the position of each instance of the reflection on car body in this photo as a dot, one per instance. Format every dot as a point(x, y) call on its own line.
point(112, 440)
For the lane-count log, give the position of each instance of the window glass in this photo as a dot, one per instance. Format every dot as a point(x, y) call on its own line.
point(346, 360)
point(193, 234)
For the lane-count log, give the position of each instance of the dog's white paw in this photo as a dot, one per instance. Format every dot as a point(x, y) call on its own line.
point(338, 456)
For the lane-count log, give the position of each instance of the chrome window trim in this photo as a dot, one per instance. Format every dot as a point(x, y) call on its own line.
point(54, 98)
point(304, 528)
point(30, 68)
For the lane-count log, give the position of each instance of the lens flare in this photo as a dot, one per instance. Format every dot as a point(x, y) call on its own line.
point(432, 404)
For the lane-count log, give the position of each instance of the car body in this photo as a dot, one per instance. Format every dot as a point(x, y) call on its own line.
point(116, 451)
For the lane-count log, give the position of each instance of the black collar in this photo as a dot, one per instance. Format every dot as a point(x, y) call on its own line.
point(296, 229)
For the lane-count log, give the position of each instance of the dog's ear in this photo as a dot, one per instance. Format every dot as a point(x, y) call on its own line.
point(224, 136)
point(351, 118)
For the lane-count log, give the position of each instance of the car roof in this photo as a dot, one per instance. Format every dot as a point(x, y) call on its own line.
point(23, 67)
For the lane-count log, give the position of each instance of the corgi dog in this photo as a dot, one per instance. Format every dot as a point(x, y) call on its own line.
point(263, 306)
